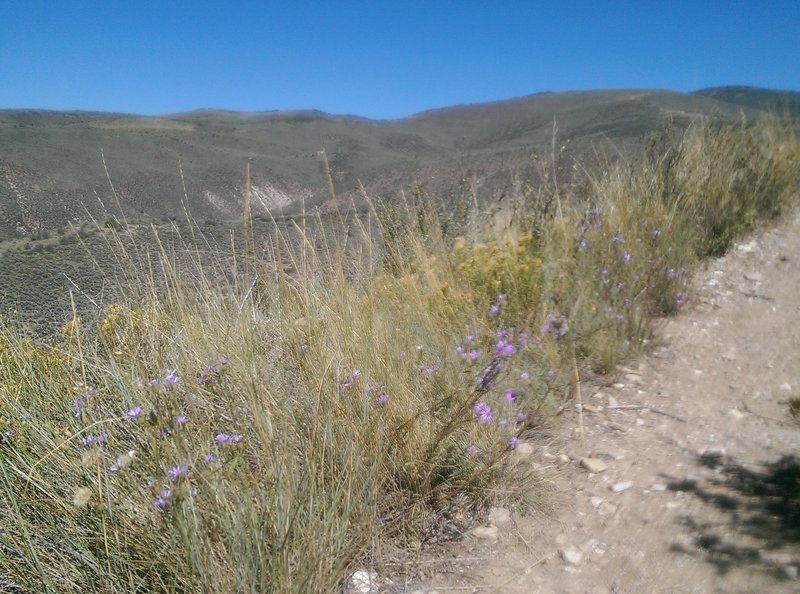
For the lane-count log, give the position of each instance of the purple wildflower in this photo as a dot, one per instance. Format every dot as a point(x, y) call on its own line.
point(511, 395)
point(505, 349)
point(513, 441)
point(521, 418)
point(473, 356)
point(176, 472)
point(164, 498)
point(680, 299)
point(181, 420)
point(355, 374)
point(161, 502)
point(494, 310)
point(472, 450)
point(626, 256)
point(483, 412)
point(487, 378)
point(382, 399)
point(134, 413)
point(503, 423)
point(76, 406)
point(209, 458)
point(502, 297)
point(524, 376)
point(551, 374)
point(555, 325)
point(226, 438)
point(91, 440)
point(170, 377)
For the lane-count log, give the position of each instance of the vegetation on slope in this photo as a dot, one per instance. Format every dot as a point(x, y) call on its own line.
point(266, 424)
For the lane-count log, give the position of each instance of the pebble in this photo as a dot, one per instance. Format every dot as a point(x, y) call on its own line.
point(633, 378)
point(620, 487)
point(499, 516)
point(571, 555)
point(786, 387)
point(486, 533)
point(612, 401)
point(755, 277)
point(365, 581)
point(747, 248)
point(790, 571)
point(735, 413)
point(523, 450)
point(659, 487)
point(594, 465)
point(596, 501)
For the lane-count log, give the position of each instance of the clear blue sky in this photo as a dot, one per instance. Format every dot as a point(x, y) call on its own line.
point(379, 59)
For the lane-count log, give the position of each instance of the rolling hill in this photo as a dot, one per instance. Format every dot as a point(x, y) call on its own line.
point(61, 167)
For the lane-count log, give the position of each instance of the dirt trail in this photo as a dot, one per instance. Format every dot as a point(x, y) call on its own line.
point(701, 486)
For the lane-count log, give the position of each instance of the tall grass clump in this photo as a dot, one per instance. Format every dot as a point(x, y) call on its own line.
point(271, 418)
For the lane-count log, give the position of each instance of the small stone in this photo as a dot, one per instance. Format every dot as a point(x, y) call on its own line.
point(499, 516)
point(571, 555)
point(659, 487)
point(563, 459)
point(633, 378)
point(735, 413)
point(712, 453)
point(747, 248)
point(365, 581)
point(594, 465)
point(620, 487)
point(639, 421)
point(755, 277)
point(523, 450)
point(592, 409)
point(785, 387)
point(490, 533)
point(596, 501)
point(618, 386)
point(612, 402)
point(790, 571)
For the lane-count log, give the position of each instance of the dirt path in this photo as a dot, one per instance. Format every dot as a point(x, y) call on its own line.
point(702, 498)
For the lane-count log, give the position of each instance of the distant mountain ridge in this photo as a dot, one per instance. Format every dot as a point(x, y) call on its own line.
point(57, 167)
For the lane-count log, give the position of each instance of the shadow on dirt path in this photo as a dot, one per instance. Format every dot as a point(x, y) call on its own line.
point(759, 514)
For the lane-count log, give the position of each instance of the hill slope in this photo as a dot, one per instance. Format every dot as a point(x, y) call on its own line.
point(57, 167)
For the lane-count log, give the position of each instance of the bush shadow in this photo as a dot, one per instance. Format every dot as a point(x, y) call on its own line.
point(757, 523)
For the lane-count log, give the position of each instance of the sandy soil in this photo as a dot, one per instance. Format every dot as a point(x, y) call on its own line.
point(696, 482)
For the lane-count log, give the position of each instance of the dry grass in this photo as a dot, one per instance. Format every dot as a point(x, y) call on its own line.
point(264, 424)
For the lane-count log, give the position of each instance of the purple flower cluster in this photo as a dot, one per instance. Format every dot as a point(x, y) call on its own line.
point(212, 371)
point(94, 440)
point(555, 324)
point(176, 472)
point(225, 438)
point(164, 498)
point(134, 413)
point(483, 412)
point(79, 402)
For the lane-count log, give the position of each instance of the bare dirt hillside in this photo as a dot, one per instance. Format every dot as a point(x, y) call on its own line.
point(688, 476)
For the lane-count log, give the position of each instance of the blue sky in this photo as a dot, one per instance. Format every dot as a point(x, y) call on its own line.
point(379, 59)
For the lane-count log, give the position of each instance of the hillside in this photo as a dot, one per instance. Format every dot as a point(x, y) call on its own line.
point(55, 167)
